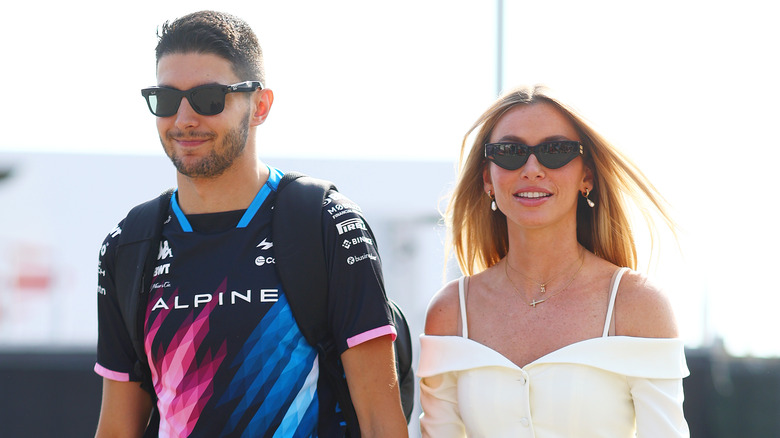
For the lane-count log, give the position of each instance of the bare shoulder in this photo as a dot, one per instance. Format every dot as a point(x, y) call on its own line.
point(643, 309)
point(442, 316)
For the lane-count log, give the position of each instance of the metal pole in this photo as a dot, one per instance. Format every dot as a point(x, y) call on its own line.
point(499, 46)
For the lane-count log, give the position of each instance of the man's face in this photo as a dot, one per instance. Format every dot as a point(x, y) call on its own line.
point(202, 146)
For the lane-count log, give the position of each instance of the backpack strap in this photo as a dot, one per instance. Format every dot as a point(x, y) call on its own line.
point(298, 241)
point(136, 255)
point(298, 212)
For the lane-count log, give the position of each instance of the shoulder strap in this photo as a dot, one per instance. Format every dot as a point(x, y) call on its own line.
point(298, 242)
point(136, 254)
point(462, 296)
point(613, 288)
point(298, 212)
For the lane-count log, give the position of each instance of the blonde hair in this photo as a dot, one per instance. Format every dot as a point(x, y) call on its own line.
point(478, 236)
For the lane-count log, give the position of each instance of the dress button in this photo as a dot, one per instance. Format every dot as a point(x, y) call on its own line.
point(524, 422)
point(522, 380)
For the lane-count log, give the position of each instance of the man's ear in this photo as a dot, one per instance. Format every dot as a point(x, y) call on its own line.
point(261, 105)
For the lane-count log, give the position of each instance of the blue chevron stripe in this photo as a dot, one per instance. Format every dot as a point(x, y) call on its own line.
point(277, 373)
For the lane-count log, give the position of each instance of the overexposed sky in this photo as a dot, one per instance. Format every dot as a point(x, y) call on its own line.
point(689, 89)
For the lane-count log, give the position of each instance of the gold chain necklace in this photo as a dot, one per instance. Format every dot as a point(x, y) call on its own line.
point(534, 302)
point(542, 286)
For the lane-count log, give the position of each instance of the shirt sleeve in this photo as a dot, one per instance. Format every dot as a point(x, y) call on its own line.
point(115, 354)
point(357, 303)
point(441, 415)
point(658, 406)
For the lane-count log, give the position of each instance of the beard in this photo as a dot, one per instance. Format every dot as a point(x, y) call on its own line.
point(218, 160)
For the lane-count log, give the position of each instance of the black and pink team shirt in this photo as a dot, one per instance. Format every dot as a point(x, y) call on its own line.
point(226, 355)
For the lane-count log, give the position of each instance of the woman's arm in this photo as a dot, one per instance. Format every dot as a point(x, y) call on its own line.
point(643, 310)
point(438, 393)
point(658, 407)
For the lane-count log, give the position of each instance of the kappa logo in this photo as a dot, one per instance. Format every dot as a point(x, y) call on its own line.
point(351, 225)
point(265, 244)
point(165, 251)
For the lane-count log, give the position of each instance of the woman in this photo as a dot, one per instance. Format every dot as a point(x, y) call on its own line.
point(550, 334)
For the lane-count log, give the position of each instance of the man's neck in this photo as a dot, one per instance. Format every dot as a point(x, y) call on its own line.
point(233, 190)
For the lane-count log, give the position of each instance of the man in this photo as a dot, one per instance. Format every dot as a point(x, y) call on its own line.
point(226, 356)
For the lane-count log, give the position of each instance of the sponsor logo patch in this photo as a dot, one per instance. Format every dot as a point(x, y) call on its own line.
point(357, 240)
point(260, 261)
point(351, 225)
point(265, 244)
point(352, 260)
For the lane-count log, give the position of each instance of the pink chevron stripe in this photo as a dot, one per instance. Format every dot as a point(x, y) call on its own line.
point(183, 385)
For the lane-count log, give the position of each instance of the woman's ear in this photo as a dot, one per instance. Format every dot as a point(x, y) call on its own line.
point(261, 105)
point(487, 179)
point(587, 179)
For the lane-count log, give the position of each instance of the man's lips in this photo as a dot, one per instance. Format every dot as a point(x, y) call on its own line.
point(190, 141)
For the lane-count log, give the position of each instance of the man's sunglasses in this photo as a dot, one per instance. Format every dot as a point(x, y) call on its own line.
point(206, 100)
point(551, 154)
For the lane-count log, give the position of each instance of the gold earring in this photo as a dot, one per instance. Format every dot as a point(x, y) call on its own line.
point(591, 204)
point(493, 205)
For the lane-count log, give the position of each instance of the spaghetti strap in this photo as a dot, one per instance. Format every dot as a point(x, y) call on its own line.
point(612, 295)
point(462, 296)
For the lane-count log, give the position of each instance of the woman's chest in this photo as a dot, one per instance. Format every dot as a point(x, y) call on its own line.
point(523, 335)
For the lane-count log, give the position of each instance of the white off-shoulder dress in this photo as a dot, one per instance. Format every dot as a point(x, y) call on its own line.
point(612, 386)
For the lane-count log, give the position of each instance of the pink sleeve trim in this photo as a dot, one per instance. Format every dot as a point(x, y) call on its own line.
point(372, 334)
point(113, 375)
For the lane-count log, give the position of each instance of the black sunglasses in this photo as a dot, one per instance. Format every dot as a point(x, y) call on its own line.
point(206, 100)
point(551, 154)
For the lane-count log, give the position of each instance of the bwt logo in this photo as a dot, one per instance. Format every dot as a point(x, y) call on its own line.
point(351, 225)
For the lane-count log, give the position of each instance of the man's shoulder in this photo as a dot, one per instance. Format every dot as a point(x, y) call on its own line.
point(139, 221)
point(336, 204)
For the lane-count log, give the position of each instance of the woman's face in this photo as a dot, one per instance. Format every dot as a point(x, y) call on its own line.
point(534, 196)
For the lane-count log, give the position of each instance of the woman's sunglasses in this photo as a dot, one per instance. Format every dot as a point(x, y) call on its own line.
point(551, 154)
point(206, 100)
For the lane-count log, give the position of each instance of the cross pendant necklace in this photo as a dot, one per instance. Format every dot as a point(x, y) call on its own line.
point(535, 302)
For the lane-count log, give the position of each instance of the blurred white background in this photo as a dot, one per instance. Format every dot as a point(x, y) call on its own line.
point(687, 88)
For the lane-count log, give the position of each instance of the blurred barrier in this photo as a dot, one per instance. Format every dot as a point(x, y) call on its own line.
point(730, 397)
point(58, 395)
point(48, 395)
